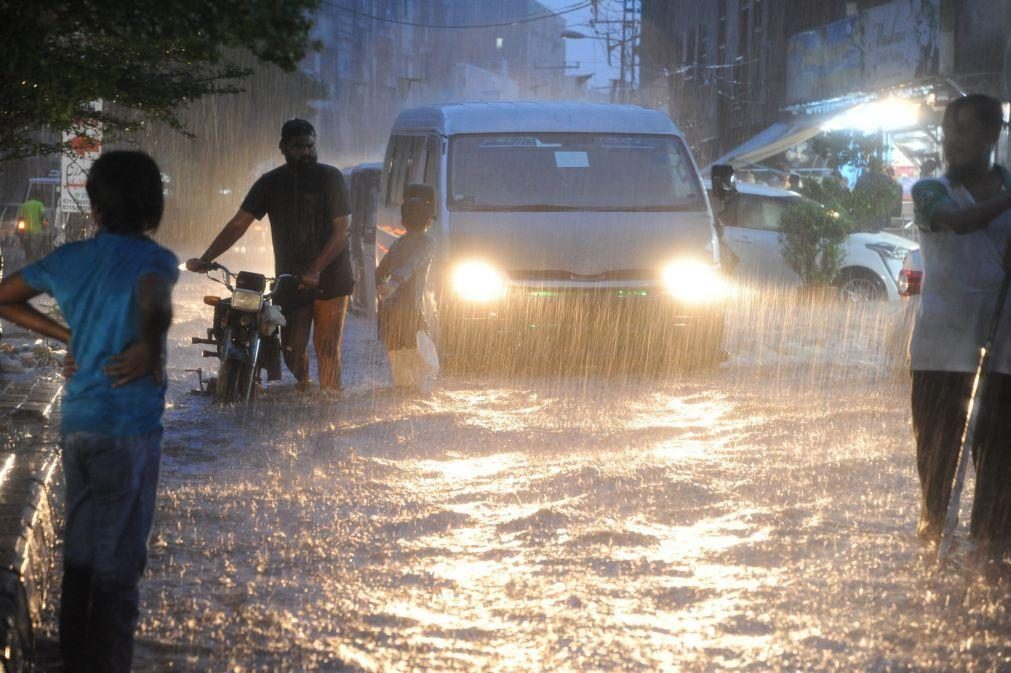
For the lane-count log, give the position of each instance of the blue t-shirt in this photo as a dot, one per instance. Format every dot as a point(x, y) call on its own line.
point(95, 284)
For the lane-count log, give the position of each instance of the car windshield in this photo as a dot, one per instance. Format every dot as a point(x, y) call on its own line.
point(572, 171)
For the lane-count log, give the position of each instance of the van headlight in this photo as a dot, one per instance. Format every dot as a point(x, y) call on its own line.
point(478, 281)
point(693, 281)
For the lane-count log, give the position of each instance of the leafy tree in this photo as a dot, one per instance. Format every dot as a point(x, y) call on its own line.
point(875, 194)
point(236, 138)
point(845, 148)
point(811, 237)
point(146, 59)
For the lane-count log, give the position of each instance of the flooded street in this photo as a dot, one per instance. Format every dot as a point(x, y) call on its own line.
point(756, 518)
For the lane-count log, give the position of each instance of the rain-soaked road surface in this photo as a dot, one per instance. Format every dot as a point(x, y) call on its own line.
point(759, 518)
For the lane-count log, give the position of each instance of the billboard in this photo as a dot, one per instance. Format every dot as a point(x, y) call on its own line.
point(85, 144)
point(891, 44)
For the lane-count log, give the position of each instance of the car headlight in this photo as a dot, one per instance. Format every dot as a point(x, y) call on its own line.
point(247, 300)
point(889, 250)
point(694, 281)
point(478, 281)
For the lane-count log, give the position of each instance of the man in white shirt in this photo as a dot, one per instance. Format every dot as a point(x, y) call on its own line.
point(965, 222)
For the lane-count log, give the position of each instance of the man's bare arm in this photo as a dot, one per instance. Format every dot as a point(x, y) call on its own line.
point(973, 218)
point(223, 242)
point(14, 306)
point(338, 239)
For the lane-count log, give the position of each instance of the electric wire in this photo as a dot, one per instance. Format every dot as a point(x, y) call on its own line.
point(527, 19)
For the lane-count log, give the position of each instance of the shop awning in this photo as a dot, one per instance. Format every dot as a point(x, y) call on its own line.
point(779, 137)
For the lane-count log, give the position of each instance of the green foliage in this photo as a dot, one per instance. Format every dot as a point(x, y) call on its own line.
point(146, 59)
point(828, 193)
point(875, 195)
point(845, 148)
point(874, 199)
point(868, 206)
point(811, 237)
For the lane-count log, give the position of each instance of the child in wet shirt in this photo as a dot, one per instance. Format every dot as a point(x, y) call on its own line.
point(401, 278)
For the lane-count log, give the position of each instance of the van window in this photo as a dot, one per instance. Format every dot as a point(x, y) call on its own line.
point(405, 164)
point(572, 171)
point(386, 180)
point(432, 147)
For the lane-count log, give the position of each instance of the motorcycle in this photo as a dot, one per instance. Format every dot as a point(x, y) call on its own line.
point(245, 332)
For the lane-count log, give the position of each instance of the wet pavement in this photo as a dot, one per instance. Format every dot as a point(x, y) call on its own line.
point(759, 517)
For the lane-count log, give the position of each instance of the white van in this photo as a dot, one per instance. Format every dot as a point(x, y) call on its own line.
point(555, 213)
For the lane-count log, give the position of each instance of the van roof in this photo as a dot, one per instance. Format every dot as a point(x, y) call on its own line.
point(522, 117)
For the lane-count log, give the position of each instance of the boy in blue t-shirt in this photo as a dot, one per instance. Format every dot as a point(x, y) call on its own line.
point(115, 291)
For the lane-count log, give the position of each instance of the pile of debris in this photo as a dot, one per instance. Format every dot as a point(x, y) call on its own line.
point(18, 357)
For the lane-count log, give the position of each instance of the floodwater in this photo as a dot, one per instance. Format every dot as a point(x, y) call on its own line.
point(756, 518)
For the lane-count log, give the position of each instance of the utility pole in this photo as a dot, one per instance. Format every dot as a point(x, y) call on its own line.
point(631, 13)
point(626, 39)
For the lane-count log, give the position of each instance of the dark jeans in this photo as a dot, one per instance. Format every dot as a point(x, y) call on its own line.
point(939, 404)
point(991, 504)
point(111, 483)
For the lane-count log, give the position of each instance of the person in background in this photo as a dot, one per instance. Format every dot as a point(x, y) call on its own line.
point(308, 206)
point(400, 283)
point(928, 168)
point(33, 214)
point(965, 222)
point(793, 182)
point(115, 292)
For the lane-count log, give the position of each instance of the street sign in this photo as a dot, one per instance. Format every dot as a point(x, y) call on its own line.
point(85, 144)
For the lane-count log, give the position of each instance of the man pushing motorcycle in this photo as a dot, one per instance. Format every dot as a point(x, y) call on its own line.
point(308, 207)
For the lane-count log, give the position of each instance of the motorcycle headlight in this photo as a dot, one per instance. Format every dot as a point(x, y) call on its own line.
point(246, 300)
point(694, 281)
point(478, 281)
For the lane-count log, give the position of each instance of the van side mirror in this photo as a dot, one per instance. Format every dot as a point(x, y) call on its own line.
point(724, 182)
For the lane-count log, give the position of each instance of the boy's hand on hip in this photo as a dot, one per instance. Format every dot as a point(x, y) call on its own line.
point(69, 365)
point(137, 360)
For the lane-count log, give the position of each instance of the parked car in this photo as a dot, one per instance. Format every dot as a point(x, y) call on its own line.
point(871, 261)
point(900, 330)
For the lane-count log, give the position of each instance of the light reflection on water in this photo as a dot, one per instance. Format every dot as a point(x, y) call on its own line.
point(759, 518)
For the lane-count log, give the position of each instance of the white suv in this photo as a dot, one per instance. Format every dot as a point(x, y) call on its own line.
point(871, 261)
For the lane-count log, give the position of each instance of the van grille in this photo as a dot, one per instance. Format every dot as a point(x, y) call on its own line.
point(562, 275)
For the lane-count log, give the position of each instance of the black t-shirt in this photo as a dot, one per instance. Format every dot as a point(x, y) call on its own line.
point(301, 208)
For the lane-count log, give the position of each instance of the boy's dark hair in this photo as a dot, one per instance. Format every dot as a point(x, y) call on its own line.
point(988, 110)
point(416, 213)
point(125, 187)
point(417, 190)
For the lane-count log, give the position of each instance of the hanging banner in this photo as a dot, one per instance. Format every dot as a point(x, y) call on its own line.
point(85, 144)
point(891, 44)
point(899, 41)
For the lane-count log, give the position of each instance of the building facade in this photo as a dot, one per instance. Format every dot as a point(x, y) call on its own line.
point(728, 69)
point(380, 56)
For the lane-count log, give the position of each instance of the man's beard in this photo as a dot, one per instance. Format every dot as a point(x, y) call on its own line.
point(303, 166)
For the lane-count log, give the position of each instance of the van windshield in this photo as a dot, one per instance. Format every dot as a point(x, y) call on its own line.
point(571, 171)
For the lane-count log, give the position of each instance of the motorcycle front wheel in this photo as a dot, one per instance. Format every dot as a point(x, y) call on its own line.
point(233, 381)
